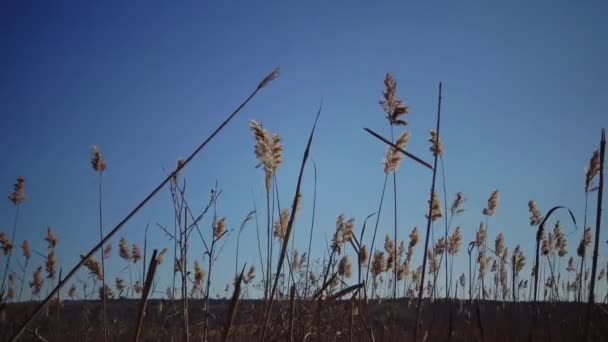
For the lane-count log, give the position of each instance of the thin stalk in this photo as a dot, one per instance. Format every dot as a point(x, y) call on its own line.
point(445, 202)
point(428, 223)
point(395, 262)
point(257, 227)
point(103, 270)
point(598, 221)
point(312, 227)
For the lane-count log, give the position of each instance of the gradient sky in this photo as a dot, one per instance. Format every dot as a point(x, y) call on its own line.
point(147, 82)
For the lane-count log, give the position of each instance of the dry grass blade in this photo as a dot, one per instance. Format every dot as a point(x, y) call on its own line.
point(325, 286)
point(345, 291)
point(141, 311)
point(136, 209)
point(290, 224)
point(409, 155)
point(234, 303)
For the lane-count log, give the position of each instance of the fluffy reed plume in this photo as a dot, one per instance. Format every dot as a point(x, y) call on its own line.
point(268, 150)
point(138, 287)
point(561, 243)
point(135, 253)
point(389, 245)
point(119, 283)
point(36, 283)
point(536, 216)
point(461, 280)
point(344, 230)
point(296, 261)
point(18, 195)
point(106, 291)
point(250, 275)
point(97, 161)
point(378, 264)
point(72, 293)
point(363, 255)
point(94, 267)
point(436, 143)
point(457, 205)
point(492, 204)
point(480, 236)
point(585, 242)
point(518, 260)
point(280, 226)
point(161, 256)
point(393, 157)
point(440, 246)
point(436, 208)
point(219, 228)
point(345, 268)
point(592, 170)
point(414, 237)
point(51, 238)
point(51, 264)
point(271, 77)
point(483, 261)
point(107, 251)
point(6, 243)
point(499, 245)
point(123, 249)
point(494, 267)
point(571, 265)
point(392, 106)
point(602, 274)
point(433, 264)
point(455, 242)
point(199, 275)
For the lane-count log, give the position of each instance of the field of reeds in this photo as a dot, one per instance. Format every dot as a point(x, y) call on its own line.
point(364, 287)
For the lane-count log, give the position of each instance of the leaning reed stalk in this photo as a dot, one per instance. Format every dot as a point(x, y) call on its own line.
point(598, 221)
point(144, 297)
point(428, 222)
point(290, 224)
point(269, 78)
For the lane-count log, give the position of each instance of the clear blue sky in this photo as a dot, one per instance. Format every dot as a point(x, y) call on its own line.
point(523, 84)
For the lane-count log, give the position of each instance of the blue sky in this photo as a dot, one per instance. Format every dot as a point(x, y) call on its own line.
point(146, 82)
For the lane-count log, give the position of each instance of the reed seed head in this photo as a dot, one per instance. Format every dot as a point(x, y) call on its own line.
point(94, 267)
point(37, 281)
point(123, 249)
point(136, 253)
point(107, 251)
point(435, 208)
point(51, 264)
point(51, 238)
point(250, 275)
point(585, 242)
point(269, 78)
point(480, 236)
point(392, 106)
point(219, 229)
point(592, 170)
point(378, 263)
point(363, 255)
point(499, 244)
point(72, 293)
point(436, 144)
point(138, 288)
point(414, 237)
point(536, 217)
point(455, 241)
point(18, 195)
point(345, 267)
point(393, 156)
point(457, 205)
point(199, 273)
point(492, 204)
point(97, 161)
